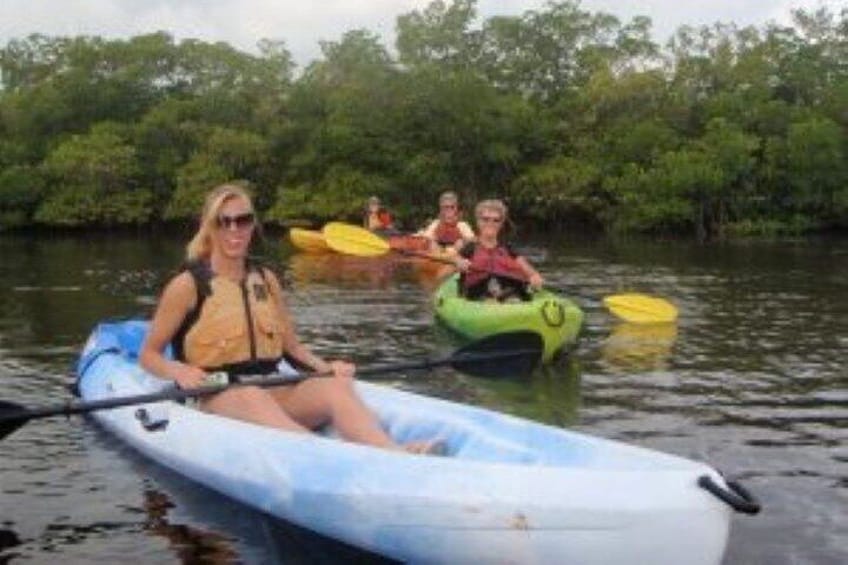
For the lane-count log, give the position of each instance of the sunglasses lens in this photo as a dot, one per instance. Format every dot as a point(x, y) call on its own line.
point(241, 221)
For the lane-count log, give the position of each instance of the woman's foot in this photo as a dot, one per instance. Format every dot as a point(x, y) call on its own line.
point(431, 447)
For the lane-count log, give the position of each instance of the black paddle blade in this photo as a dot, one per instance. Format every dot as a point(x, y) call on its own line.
point(12, 417)
point(506, 355)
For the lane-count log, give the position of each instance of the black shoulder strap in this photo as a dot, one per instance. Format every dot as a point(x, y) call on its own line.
point(468, 250)
point(201, 273)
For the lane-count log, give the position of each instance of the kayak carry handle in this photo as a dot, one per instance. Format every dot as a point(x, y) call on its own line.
point(738, 497)
point(148, 423)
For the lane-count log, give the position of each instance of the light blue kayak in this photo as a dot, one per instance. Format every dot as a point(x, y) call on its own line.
point(507, 490)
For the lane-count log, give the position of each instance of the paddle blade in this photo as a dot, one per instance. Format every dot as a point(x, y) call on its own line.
point(308, 240)
point(505, 355)
point(641, 308)
point(353, 240)
point(12, 417)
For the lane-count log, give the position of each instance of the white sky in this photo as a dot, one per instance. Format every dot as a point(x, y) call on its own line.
point(303, 23)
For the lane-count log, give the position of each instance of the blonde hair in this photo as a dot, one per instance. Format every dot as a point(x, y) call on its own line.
point(448, 197)
point(200, 246)
point(493, 205)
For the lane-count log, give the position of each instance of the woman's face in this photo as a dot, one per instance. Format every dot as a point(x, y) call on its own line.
point(489, 222)
point(449, 211)
point(234, 227)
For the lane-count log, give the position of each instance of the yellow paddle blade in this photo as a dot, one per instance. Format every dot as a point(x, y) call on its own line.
point(354, 240)
point(641, 308)
point(308, 240)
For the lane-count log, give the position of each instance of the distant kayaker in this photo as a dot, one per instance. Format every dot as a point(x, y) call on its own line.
point(225, 312)
point(448, 230)
point(492, 269)
point(377, 218)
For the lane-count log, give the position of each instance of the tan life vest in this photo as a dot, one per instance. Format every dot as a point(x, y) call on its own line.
point(237, 323)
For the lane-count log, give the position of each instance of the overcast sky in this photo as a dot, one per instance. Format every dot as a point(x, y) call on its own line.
point(303, 23)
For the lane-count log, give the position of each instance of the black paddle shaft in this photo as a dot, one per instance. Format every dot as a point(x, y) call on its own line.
point(509, 354)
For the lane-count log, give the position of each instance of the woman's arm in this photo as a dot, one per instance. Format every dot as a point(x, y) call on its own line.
point(430, 231)
point(466, 232)
point(466, 236)
point(532, 275)
point(176, 301)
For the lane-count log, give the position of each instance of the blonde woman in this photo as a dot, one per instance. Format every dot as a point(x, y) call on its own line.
point(227, 313)
point(490, 268)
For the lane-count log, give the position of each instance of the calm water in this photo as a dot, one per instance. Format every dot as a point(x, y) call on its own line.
point(751, 379)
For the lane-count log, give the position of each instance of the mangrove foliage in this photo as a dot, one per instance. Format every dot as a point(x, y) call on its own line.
point(576, 118)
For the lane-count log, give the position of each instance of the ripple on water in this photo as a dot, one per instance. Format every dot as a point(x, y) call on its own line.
point(752, 381)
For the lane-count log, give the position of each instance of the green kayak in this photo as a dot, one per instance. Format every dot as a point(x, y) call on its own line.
point(555, 318)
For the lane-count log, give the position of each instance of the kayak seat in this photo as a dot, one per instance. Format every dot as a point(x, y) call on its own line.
point(459, 438)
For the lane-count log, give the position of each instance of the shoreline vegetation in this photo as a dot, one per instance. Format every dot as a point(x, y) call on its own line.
point(574, 117)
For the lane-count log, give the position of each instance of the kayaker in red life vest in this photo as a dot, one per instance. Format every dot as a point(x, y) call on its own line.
point(226, 313)
point(448, 231)
point(377, 218)
point(491, 269)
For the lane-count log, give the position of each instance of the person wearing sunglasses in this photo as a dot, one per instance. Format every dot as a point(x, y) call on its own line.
point(448, 231)
point(226, 313)
point(377, 218)
point(491, 269)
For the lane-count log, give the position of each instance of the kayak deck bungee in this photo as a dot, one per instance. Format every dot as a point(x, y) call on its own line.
point(507, 489)
point(556, 319)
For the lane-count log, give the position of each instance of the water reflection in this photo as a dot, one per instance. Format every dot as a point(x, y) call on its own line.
point(202, 526)
point(309, 269)
point(191, 544)
point(639, 347)
point(551, 395)
point(751, 380)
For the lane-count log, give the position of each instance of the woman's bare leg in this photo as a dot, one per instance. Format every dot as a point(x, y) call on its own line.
point(251, 404)
point(318, 401)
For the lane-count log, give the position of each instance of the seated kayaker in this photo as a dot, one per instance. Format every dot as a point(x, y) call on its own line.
point(491, 269)
point(377, 218)
point(224, 312)
point(448, 231)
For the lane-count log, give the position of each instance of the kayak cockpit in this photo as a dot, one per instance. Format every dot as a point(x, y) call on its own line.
point(475, 434)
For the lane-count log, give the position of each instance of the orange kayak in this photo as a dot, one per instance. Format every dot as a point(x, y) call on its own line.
point(415, 243)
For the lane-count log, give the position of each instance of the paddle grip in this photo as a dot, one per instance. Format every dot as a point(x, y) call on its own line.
point(738, 497)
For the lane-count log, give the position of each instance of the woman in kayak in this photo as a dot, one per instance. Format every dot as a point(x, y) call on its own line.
point(377, 218)
point(224, 312)
point(492, 269)
point(448, 231)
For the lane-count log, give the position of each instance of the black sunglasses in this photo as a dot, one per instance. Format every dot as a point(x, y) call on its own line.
point(240, 221)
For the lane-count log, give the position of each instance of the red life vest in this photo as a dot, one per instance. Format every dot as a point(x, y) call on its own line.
point(486, 262)
point(447, 234)
point(385, 219)
point(380, 221)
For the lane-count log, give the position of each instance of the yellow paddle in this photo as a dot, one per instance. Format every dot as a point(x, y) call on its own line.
point(631, 307)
